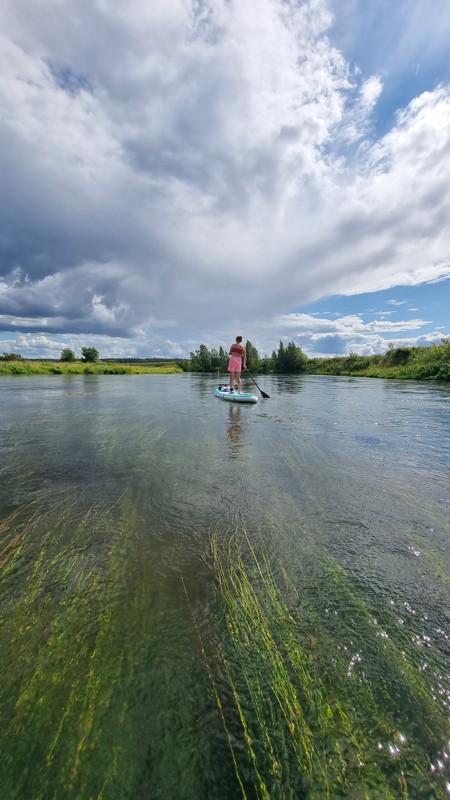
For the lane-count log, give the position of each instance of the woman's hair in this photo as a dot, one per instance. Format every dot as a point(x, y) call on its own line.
point(239, 338)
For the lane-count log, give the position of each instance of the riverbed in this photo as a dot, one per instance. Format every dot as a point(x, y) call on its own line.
point(201, 599)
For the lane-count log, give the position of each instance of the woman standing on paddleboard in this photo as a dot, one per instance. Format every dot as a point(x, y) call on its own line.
point(237, 362)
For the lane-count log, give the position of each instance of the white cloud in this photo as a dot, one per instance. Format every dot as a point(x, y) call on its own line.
point(371, 91)
point(298, 324)
point(324, 337)
point(29, 342)
point(181, 164)
point(317, 336)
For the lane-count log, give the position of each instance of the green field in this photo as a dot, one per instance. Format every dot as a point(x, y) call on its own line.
point(23, 367)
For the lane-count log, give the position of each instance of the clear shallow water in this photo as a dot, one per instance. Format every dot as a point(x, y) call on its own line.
point(126, 666)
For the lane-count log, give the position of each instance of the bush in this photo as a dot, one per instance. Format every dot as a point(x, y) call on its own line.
point(397, 357)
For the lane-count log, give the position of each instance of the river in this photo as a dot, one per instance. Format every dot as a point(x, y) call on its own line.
point(201, 599)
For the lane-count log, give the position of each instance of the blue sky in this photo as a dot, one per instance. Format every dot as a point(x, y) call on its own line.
point(178, 172)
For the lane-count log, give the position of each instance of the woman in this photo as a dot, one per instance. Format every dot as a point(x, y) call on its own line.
point(237, 362)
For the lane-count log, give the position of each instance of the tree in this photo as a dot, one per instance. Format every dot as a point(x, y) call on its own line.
point(278, 358)
point(204, 358)
point(290, 358)
point(201, 360)
point(215, 360)
point(295, 359)
point(253, 362)
point(67, 354)
point(89, 355)
point(223, 359)
point(267, 363)
point(12, 357)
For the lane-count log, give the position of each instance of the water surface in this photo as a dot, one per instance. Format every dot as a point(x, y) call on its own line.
point(201, 599)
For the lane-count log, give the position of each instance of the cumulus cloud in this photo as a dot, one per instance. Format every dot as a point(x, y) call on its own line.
point(322, 336)
point(181, 164)
point(370, 91)
point(339, 335)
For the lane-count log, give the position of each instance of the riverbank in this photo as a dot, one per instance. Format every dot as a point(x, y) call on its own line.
point(403, 363)
point(23, 367)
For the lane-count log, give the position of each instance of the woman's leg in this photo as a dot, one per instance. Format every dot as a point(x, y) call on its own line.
point(231, 380)
point(238, 376)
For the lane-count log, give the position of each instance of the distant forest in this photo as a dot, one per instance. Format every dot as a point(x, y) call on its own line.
point(416, 363)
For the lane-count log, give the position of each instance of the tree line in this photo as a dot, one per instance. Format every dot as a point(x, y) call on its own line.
point(89, 355)
point(418, 363)
point(287, 359)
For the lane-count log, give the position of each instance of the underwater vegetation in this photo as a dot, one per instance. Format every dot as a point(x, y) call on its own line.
point(108, 671)
point(310, 720)
point(155, 642)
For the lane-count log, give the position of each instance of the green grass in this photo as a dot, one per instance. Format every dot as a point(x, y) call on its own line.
point(24, 367)
point(414, 363)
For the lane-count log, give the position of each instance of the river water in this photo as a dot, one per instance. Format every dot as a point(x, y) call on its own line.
point(201, 599)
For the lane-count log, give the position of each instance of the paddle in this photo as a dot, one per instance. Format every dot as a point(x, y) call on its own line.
point(266, 396)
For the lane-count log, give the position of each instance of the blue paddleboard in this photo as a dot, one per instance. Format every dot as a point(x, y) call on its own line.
point(235, 397)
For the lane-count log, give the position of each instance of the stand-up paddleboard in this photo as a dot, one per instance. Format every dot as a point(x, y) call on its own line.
point(235, 397)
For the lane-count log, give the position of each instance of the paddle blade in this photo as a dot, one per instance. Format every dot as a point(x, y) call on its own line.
point(263, 394)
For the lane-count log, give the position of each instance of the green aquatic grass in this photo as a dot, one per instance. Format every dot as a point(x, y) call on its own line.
point(289, 726)
point(58, 631)
point(284, 686)
point(102, 683)
point(311, 722)
point(81, 643)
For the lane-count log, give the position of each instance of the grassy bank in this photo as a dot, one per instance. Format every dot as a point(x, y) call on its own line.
point(404, 363)
point(23, 367)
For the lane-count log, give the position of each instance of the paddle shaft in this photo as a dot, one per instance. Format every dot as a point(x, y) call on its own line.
point(263, 394)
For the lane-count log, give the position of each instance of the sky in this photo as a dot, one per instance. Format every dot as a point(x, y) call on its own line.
point(182, 171)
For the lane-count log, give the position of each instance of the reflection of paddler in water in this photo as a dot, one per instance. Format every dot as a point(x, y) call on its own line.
point(235, 426)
